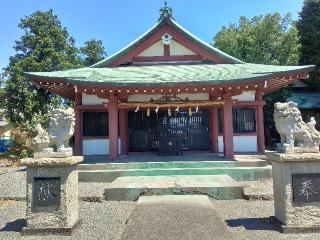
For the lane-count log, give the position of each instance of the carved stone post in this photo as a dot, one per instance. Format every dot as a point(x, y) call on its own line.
point(52, 195)
point(52, 178)
point(296, 172)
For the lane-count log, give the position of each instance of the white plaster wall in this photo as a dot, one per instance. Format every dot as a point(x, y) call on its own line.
point(246, 96)
point(155, 50)
point(92, 99)
point(147, 97)
point(176, 49)
point(97, 146)
point(241, 143)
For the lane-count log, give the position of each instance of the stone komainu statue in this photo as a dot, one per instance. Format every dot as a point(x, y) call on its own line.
point(58, 133)
point(296, 135)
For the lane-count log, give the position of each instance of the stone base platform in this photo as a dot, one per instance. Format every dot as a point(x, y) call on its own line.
point(293, 229)
point(175, 217)
point(131, 188)
point(63, 231)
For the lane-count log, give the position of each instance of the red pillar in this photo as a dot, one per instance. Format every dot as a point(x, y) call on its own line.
point(113, 128)
point(260, 122)
point(124, 133)
point(227, 127)
point(214, 128)
point(78, 128)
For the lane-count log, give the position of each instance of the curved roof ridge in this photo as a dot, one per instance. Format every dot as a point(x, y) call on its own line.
point(171, 22)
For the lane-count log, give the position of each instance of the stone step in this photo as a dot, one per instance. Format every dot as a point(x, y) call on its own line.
point(131, 188)
point(173, 164)
point(155, 217)
point(237, 173)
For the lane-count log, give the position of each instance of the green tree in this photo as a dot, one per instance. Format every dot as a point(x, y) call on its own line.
point(2, 99)
point(269, 39)
point(309, 31)
point(2, 92)
point(45, 45)
point(92, 52)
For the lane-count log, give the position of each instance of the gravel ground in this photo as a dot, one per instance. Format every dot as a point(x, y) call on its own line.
point(13, 186)
point(13, 183)
point(246, 220)
point(100, 221)
point(106, 219)
point(250, 220)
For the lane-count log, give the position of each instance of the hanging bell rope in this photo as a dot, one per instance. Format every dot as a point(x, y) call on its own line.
point(177, 109)
point(148, 112)
point(137, 109)
point(169, 112)
point(190, 112)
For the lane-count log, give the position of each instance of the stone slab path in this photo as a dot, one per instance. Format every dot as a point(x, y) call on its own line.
point(215, 186)
point(175, 217)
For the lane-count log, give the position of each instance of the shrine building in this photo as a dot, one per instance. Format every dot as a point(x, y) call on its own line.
point(169, 87)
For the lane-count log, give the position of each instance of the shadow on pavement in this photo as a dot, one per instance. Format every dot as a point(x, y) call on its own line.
point(15, 226)
point(251, 223)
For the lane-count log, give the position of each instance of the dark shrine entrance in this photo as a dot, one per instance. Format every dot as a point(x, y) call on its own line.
point(145, 131)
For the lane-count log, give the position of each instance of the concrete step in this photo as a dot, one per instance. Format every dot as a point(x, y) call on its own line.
point(175, 217)
point(131, 188)
point(237, 173)
point(173, 164)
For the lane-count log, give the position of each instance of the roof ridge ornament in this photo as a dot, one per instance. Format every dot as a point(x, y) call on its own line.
point(165, 11)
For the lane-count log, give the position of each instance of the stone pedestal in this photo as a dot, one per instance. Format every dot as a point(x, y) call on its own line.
point(296, 184)
point(52, 195)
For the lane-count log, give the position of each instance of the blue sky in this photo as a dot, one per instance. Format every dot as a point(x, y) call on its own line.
point(118, 22)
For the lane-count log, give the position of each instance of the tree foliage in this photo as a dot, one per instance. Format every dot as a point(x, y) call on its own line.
point(309, 31)
point(269, 39)
point(92, 52)
point(45, 45)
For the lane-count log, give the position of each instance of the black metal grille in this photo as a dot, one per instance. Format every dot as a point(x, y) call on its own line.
point(95, 124)
point(145, 131)
point(244, 120)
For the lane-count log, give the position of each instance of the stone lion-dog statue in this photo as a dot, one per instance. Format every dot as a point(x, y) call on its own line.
point(57, 135)
point(296, 135)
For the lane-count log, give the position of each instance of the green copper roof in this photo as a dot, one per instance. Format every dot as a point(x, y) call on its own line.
point(180, 29)
point(167, 75)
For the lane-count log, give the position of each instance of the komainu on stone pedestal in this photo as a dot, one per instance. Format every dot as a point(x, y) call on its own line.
point(296, 135)
point(57, 135)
